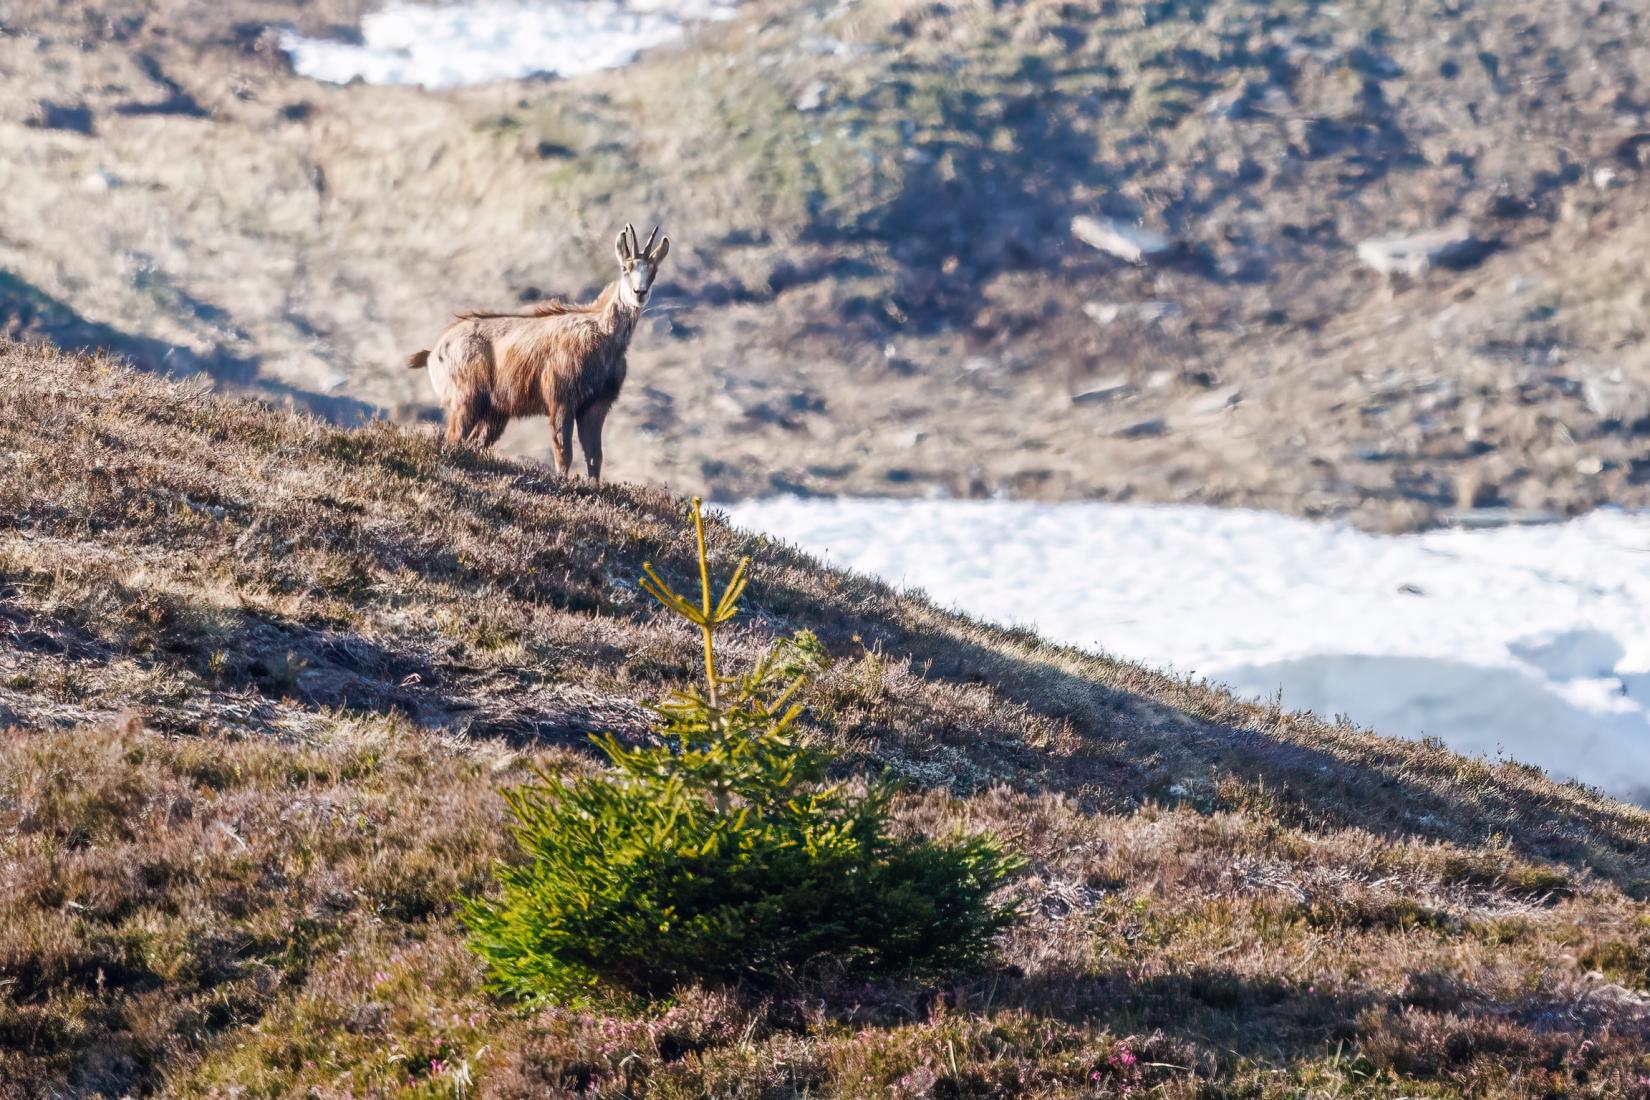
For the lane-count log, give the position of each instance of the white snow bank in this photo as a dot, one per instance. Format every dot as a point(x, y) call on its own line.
point(1529, 642)
point(473, 43)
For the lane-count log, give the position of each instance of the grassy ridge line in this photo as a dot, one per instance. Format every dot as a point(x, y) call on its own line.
point(265, 675)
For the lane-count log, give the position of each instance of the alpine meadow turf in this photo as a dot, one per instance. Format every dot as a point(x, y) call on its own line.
point(263, 681)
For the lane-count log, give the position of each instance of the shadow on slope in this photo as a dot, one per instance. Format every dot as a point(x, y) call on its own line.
point(1490, 712)
point(987, 185)
point(30, 315)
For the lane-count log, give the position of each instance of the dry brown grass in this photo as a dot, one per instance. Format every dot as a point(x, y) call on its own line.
point(263, 677)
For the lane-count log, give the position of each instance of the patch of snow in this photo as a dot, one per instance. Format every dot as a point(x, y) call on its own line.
point(1526, 642)
point(450, 45)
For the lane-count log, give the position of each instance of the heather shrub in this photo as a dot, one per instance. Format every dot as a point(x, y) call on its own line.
point(719, 852)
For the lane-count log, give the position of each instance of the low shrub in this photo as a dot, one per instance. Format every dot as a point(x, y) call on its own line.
point(720, 853)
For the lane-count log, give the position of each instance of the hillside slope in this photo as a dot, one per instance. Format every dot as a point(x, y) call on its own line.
point(874, 275)
point(262, 676)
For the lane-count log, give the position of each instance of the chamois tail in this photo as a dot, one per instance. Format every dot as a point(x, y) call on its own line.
point(418, 360)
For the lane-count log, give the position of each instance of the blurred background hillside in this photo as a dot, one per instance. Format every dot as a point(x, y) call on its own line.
point(876, 277)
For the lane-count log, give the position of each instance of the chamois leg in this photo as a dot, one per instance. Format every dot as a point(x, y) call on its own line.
point(464, 417)
point(561, 437)
point(460, 422)
point(486, 433)
point(590, 438)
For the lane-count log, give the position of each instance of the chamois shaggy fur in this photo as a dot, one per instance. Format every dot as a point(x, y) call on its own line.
point(558, 359)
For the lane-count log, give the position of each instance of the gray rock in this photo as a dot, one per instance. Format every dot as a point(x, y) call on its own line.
point(1145, 429)
point(1109, 313)
point(812, 97)
point(100, 181)
point(1104, 390)
point(1416, 254)
point(1131, 243)
point(1215, 401)
point(1611, 396)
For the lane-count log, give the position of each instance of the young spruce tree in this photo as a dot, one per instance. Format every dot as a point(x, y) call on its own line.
point(722, 854)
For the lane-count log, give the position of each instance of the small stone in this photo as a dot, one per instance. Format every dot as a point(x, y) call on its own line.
point(1145, 429)
point(1610, 395)
point(1215, 401)
point(1130, 243)
point(1418, 253)
point(1104, 390)
point(826, 46)
point(100, 181)
point(1109, 313)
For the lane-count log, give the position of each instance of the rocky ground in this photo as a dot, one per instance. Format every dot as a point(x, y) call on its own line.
point(875, 285)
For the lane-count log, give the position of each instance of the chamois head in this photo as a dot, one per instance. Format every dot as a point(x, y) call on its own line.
point(639, 264)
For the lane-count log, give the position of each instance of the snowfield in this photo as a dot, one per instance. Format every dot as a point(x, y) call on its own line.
point(473, 43)
point(1526, 642)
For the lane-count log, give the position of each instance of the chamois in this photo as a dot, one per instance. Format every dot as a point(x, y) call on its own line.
point(558, 359)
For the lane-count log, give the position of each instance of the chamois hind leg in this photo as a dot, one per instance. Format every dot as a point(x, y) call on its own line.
point(460, 422)
point(487, 431)
point(590, 437)
point(561, 436)
point(465, 417)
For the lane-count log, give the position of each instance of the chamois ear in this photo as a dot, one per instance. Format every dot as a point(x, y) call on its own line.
point(659, 253)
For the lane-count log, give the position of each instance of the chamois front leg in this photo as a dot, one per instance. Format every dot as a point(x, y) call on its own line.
point(590, 438)
point(561, 437)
